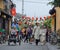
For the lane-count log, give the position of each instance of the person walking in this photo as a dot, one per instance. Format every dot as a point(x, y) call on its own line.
point(29, 32)
point(43, 35)
point(36, 32)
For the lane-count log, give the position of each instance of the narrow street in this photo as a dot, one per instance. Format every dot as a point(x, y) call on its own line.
point(26, 21)
point(26, 46)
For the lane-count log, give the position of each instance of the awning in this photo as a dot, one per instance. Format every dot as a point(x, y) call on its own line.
point(4, 13)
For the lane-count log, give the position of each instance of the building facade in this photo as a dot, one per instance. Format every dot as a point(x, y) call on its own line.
point(56, 20)
point(5, 15)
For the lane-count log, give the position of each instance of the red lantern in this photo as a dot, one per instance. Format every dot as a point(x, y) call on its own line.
point(23, 17)
point(13, 11)
point(48, 17)
point(28, 18)
point(40, 18)
point(32, 18)
point(45, 18)
point(36, 18)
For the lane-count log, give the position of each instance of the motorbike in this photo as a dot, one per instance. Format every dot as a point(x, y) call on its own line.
point(13, 38)
point(53, 38)
point(2, 36)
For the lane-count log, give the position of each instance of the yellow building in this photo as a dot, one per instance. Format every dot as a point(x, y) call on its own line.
point(53, 22)
point(56, 20)
point(1, 4)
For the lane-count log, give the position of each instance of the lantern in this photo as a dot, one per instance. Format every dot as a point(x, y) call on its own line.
point(32, 18)
point(48, 17)
point(28, 18)
point(45, 18)
point(13, 11)
point(40, 18)
point(36, 18)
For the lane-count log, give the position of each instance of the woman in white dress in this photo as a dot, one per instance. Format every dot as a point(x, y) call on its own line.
point(37, 32)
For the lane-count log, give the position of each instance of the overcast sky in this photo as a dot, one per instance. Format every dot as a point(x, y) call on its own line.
point(37, 8)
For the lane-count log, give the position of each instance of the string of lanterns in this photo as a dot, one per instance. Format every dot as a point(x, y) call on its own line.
point(36, 18)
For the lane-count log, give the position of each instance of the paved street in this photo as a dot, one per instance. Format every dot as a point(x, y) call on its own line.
point(26, 46)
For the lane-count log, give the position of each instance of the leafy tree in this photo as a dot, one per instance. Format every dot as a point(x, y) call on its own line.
point(48, 22)
point(56, 3)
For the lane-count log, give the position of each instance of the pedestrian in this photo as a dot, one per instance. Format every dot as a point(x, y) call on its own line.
point(36, 32)
point(15, 24)
point(23, 33)
point(14, 30)
point(29, 32)
point(43, 35)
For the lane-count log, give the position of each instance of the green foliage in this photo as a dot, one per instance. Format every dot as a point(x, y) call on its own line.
point(48, 22)
point(56, 3)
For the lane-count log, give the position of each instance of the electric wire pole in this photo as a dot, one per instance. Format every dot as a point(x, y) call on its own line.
point(22, 7)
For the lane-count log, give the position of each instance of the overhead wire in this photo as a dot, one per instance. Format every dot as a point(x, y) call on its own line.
point(35, 2)
point(42, 2)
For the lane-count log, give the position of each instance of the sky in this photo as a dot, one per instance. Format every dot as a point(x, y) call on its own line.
point(36, 8)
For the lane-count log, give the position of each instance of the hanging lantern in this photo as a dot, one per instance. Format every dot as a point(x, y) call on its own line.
point(28, 18)
point(44, 18)
point(13, 11)
point(40, 18)
point(48, 17)
point(25, 17)
point(32, 18)
point(36, 18)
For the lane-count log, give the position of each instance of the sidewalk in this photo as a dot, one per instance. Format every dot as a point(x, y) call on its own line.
point(52, 47)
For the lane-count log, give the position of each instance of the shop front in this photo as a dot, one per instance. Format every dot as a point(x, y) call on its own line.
point(5, 21)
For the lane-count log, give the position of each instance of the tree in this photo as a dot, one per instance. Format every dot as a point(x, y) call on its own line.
point(56, 3)
point(48, 23)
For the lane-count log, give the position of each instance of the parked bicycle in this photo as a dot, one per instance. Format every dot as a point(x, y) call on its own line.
point(53, 38)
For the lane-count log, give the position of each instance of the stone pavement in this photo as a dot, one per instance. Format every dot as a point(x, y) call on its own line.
point(27, 46)
point(52, 47)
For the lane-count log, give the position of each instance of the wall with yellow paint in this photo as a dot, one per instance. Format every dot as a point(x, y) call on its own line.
point(2, 4)
point(57, 18)
point(52, 24)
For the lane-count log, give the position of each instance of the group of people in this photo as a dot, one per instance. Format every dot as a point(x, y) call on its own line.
point(32, 33)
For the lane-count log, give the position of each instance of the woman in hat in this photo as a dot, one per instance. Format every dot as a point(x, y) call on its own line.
point(37, 32)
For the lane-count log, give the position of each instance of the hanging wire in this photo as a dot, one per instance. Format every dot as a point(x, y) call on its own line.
point(35, 2)
point(42, 2)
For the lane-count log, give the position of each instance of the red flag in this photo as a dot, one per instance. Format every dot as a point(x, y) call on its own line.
point(13, 11)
